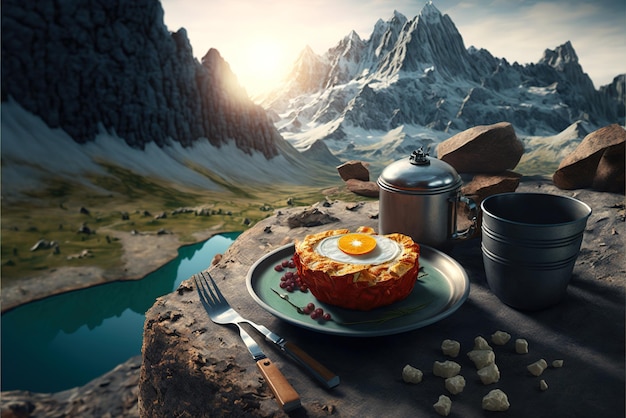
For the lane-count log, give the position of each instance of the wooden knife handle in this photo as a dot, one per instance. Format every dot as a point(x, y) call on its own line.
point(285, 394)
point(321, 373)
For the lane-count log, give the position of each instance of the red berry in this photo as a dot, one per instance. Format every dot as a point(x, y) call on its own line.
point(326, 317)
point(278, 268)
point(285, 263)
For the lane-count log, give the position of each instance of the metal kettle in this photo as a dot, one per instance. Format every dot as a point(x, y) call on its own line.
point(419, 197)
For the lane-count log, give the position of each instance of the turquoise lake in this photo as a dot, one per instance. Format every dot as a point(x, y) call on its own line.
point(67, 340)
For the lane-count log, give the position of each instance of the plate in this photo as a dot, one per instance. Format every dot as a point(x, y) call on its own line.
point(442, 287)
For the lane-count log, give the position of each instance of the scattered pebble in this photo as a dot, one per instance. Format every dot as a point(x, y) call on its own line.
point(443, 405)
point(521, 346)
point(496, 400)
point(481, 344)
point(412, 375)
point(446, 368)
point(500, 337)
point(450, 348)
point(455, 384)
point(557, 364)
point(537, 368)
point(489, 374)
point(482, 358)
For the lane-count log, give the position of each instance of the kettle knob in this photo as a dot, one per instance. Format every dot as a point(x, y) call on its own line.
point(419, 157)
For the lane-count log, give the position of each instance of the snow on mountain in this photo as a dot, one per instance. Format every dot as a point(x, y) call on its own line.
point(414, 83)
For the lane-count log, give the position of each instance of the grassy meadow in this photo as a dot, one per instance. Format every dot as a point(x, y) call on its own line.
point(128, 202)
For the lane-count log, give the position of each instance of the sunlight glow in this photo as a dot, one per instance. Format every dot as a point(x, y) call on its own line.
point(265, 62)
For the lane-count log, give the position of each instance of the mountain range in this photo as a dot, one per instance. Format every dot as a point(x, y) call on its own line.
point(414, 83)
point(87, 85)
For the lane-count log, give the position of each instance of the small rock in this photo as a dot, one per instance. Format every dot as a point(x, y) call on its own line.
point(483, 149)
point(310, 217)
point(84, 210)
point(362, 188)
point(354, 206)
point(357, 170)
point(485, 185)
point(216, 259)
point(203, 212)
point(18, 409)
point(496, 400)
point(443, 405)
point(42, 244)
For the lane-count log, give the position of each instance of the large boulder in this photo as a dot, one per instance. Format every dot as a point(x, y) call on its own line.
point(357, 170)
point(597, 163)
point(482, 149)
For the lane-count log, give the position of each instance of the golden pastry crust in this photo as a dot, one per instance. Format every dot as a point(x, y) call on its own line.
point(357, 286)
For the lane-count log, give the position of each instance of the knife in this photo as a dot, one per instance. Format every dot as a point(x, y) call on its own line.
point(286, 396)
point(319, 371)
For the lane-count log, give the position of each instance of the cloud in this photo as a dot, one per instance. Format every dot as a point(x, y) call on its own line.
point(522, 30)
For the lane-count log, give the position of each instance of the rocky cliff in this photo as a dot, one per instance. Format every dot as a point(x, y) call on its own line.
point(93, 66)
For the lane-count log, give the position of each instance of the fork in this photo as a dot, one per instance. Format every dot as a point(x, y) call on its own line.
point(220, 312)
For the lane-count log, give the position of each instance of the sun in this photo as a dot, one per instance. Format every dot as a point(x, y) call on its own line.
point(263, 65)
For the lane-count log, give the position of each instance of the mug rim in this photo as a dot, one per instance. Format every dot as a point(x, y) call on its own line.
point(494, 197)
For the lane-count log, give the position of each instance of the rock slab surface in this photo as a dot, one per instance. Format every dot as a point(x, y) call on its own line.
point(192, 367)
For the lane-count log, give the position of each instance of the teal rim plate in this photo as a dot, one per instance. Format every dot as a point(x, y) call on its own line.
point(442, 287)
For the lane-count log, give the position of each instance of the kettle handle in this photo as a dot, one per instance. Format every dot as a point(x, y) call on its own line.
point(473, 216)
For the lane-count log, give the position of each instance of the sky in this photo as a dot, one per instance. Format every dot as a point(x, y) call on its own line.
point(262, 39)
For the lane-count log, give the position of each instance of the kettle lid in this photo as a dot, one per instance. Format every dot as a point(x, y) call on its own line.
point(419, 174)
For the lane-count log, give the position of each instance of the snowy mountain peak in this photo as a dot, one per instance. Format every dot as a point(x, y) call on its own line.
point(561, 56)
point(413, 82)
point(353, 37)
point(398, 17)
point(430, 13)
point(305, 76)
